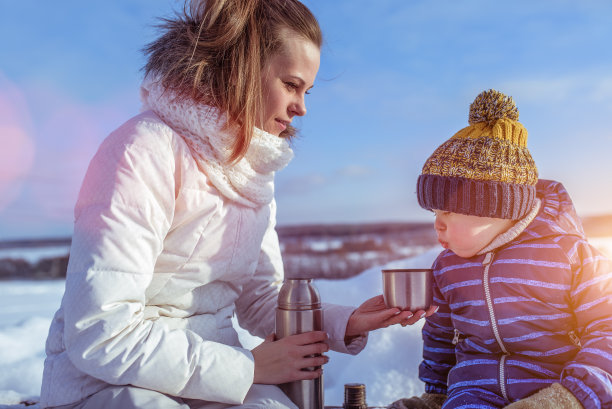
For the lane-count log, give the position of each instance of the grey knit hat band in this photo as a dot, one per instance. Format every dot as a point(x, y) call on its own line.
point(475, 197)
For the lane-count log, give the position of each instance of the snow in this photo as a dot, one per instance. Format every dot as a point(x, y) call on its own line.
point(26, 310)
point(387, 366)
point(325, 245)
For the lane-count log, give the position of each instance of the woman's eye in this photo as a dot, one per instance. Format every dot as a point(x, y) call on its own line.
point(291, 85)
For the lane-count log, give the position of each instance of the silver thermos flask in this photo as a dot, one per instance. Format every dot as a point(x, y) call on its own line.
point(299, 310)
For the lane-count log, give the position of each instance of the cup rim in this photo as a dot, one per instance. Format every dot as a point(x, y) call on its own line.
point(406, 270)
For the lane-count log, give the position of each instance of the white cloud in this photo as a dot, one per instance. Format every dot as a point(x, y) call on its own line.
point(576, 88)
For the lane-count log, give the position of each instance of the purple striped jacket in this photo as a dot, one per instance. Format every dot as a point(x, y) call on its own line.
point(535, 311)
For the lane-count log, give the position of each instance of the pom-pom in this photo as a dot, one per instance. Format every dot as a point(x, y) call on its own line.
point(491, 105)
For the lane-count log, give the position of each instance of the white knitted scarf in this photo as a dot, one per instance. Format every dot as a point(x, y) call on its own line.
point(250, 181)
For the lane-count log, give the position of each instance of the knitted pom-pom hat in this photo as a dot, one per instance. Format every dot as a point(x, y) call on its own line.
point(485, 169)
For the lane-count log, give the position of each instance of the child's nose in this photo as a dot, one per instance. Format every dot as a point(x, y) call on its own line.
point(438, 225)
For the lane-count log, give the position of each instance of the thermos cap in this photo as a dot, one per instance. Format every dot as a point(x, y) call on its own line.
point(355, 396)
point(298, 294)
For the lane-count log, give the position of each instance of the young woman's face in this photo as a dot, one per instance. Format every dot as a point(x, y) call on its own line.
point(286, 79)
point(467, 235)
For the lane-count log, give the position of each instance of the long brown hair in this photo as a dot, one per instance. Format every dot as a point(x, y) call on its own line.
point(214, 51)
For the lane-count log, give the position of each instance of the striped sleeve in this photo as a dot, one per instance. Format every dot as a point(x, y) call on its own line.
point(589, 375)
point(438, 349)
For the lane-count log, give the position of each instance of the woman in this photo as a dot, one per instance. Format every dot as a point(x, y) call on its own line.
point(174, 227)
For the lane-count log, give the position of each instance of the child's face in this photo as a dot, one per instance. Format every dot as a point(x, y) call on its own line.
point(467, 235)
point(287, 77)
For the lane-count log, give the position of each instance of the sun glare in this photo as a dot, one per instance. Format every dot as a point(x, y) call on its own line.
point(17, 153)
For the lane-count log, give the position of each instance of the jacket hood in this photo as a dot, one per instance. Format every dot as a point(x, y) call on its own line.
point(557, 214)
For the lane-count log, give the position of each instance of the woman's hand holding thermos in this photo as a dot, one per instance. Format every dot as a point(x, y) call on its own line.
point(283, 360)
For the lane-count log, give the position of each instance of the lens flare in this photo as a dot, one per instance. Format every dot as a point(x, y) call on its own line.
point(16, 145)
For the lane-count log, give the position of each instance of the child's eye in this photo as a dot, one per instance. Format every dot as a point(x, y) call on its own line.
point(440, 212)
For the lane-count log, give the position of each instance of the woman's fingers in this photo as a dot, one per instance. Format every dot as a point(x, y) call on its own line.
point(306, 338)
point(432, 310)
point(284, 360)
point(412, 319)
point(312, 362)
point(309, 367)
point(290, 356)
point(300, 375)
point(398, 318)
point(418, 315)
point(313, 349)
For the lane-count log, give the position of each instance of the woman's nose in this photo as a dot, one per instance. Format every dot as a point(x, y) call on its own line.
point(299, 106)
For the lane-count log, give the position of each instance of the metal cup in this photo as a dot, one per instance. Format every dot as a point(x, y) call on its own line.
point(408, 288)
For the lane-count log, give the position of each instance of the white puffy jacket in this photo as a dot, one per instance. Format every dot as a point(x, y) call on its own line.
point(159, 262)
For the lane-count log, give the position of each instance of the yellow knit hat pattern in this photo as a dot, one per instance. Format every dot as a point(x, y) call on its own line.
point(485, 169)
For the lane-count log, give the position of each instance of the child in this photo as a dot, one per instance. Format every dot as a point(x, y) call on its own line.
point(525, 301)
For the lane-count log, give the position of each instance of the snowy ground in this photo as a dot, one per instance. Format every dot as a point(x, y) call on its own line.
point(387, 366)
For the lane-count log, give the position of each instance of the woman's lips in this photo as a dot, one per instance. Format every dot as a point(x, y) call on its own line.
point(283, 124)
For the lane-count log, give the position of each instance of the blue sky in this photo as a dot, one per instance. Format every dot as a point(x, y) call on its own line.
point(396, 80)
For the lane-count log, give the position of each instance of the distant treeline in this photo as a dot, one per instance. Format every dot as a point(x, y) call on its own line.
point(45, 268)
point(324, 250)
point(317, 251)
point(35, 243)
